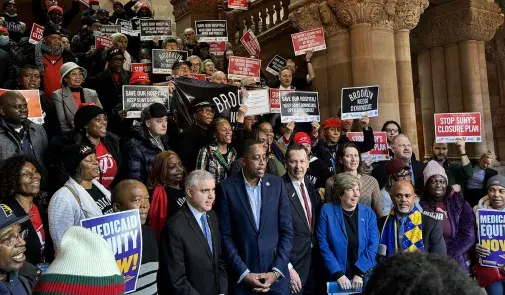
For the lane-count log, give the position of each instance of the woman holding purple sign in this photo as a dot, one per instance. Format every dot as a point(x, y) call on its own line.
point(491, 278)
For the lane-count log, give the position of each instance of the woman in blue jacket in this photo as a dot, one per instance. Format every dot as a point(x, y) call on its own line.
point(348, 235)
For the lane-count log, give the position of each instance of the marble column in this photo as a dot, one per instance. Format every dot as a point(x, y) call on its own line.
point(427, 103)
point(486, 104)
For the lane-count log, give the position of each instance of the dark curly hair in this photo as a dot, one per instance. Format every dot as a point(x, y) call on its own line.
point(10, 171)
point(419, 274)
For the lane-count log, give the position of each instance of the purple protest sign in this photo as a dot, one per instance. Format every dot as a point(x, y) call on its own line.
point(123, 233)
point(491, 227)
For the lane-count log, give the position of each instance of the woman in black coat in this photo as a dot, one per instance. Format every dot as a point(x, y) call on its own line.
point(20, 178)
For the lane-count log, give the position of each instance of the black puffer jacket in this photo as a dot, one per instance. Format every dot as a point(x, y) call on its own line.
point(139, 153)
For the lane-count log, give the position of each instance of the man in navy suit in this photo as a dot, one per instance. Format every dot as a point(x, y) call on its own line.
point(256, 226)
point(305, 206)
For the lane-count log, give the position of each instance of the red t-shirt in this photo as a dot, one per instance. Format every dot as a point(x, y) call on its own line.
point(107, 165)
point(52, 77)
point(38, 225)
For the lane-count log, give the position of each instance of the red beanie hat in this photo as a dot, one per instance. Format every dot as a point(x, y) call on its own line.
point(301, 138)
point(331, 122)
point(139, 77)
point(55, 7)
point(4, 30)
point(143, 5)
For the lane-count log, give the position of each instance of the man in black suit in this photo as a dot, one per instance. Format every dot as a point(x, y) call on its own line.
point(190, 244)
point(402, 149)
point(475, 187)
point(404, 200)
point(305, 204)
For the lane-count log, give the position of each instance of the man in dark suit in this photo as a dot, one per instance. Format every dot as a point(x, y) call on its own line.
point(475, 187)
point(256, 226)
point(305, 205)
point(190, 244)
point(402, 149)
point(404, 212)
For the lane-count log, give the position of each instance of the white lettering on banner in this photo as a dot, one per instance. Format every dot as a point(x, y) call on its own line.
point(360, 94)
point(224, 102)
point(458, 128)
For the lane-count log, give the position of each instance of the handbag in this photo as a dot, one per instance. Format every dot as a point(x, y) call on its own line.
point(487, 275)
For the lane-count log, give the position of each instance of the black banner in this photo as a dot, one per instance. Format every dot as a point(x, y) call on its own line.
point(150, 28)
point(110, 29)
point(137, 97)
point(211, 30)
point(360, 101)
point(299, 106)
point(162, 60)
point(276, 65)
point(224, 96)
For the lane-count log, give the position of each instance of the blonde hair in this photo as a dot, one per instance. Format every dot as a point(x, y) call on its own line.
point(489, 154)
point(343, 181)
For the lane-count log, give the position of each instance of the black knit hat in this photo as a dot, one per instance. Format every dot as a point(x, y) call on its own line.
point(85, 114)
point(8, 2)
point(156, 110)
point(73, 155)
point(51, 29)
point(113, 52)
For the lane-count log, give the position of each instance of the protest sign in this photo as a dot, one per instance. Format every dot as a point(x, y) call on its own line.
point(251, 43)
point(136, 26)
point(137, 97)
point(217, 48)
point(238, 4)
point(162, 60)
point(299, 106)
point(110, 29)
point(358, 102)
point(491, 231)
point(35, 113)
point(36, 34)
point(211, 30)
point(380, 151)
point(450, 126)
point(225, 97)
point(276, 65)
point(243, 67)
point(151, 28)
point(257, 102)
point(200, 77)
point(126, 27)
point(275, 102)
point(311, 40)
point(123, 232)
point(141, 67)
point(102, 42)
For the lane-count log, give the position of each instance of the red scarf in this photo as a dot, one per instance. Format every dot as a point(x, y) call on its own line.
point(158, 211)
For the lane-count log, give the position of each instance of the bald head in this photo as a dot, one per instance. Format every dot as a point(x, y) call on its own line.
point(219, 77)
point(403, 196)
point(13, 107)
point(131, 194)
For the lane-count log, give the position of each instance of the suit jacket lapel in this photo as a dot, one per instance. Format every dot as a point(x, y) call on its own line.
point(244, 198)
point(197, 229)
point(68, 98)
point(265, 191)
point(313, 201)
point(295, 200)
point(337, 209)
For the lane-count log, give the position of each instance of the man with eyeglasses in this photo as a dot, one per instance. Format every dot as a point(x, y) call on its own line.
point(12, 257)
point(256, 226)
point(190, 41)
point(194, 137)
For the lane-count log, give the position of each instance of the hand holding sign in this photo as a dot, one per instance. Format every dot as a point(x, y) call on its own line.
point(364, 122)
point(460, 143)
point(241, 114)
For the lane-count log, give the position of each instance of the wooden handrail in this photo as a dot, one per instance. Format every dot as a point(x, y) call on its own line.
point(261, 16)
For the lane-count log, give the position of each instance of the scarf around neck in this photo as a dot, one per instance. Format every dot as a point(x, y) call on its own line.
point(42, 48)
point(412, 240)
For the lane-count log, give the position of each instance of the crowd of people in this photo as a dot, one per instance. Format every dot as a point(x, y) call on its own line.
point(252, 206)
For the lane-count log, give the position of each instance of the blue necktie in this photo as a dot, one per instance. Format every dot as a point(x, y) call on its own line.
point(206, 230)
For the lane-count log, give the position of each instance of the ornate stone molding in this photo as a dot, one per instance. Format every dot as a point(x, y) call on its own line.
point(315, 15)
point(351, 12)
point(408, 13)
point(458, 21)
point(182, 7)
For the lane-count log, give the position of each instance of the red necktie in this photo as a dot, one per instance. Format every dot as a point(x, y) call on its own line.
point(306, 202)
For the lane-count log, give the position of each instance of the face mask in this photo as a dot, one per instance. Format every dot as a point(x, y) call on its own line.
point(4, 40)
point(95, 7)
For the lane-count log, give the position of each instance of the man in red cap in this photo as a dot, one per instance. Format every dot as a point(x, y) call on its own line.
point(41, 13)
point(326, 150)
point(318, 171)
point(396, 170)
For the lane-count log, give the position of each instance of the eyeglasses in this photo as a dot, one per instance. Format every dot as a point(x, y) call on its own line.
point(76, 74)
point(14, 239)
point(391, 130)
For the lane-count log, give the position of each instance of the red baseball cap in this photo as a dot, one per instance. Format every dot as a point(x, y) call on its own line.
point(331, 123)
point(55, 7)
point(139, 77)
point(301, 138)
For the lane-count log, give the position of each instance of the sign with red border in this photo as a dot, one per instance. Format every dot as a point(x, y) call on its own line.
point(311, 40)
point(380, 151)
point(243, 67)
point(451, 126)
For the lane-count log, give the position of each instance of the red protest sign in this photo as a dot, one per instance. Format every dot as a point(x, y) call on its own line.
point(380, 151)
point(200, 77)
point(237, 4)
point(32, 97)
point(102, 42)
point(275, 102)
point(312, 40)
point(217, 48)
point(141, 67)
point(243, 67)
point(37, 34)
point(251, 43)
point(450, 126)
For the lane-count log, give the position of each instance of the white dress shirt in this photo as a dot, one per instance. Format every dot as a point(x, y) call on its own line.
point(298, 190)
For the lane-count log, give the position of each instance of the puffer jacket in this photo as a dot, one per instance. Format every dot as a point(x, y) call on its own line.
point(139, 153)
